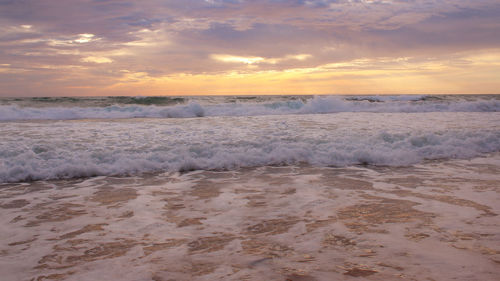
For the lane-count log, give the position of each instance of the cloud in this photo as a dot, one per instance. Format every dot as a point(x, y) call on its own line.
point(97, 59)
point(97, 39)
point(257, 60)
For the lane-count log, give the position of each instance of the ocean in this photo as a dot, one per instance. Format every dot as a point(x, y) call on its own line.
point(250, 188)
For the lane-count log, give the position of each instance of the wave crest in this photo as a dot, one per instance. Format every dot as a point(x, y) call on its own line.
point(153, 149)
point(316, 105)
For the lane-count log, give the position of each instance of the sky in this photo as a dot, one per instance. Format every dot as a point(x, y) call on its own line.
point(233, 47)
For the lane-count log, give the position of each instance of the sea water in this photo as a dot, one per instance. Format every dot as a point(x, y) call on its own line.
point(250, 188)
point(53, 138)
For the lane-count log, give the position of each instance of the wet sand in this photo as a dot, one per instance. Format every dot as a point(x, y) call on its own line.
point(433, 221)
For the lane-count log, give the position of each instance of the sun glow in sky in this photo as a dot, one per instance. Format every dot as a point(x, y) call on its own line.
point(197, 47)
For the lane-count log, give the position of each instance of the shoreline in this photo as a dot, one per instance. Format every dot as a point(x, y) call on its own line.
point(436, 220)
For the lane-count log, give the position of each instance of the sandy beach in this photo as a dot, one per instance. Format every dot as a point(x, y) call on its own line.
point(437, 220)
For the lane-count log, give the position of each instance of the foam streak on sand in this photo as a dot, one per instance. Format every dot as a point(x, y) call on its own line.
point(432, 221)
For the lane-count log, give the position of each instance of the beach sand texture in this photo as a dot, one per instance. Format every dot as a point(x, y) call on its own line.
point(437, 220)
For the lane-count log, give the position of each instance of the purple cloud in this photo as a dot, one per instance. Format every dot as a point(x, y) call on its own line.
point(41, 40)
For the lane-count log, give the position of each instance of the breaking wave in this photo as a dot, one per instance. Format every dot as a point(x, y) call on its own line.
point(127, 148)
point(182, 108)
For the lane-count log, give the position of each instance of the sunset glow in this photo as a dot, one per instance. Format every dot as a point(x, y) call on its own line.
point(195, 47)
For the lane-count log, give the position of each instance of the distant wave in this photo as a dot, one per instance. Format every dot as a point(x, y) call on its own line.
point(144, 100)
point(319, 104)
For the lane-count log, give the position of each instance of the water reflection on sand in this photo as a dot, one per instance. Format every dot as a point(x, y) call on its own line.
point(433, 221)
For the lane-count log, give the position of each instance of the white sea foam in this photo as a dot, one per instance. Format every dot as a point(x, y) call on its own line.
point(66, 149)
point(319, 104)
